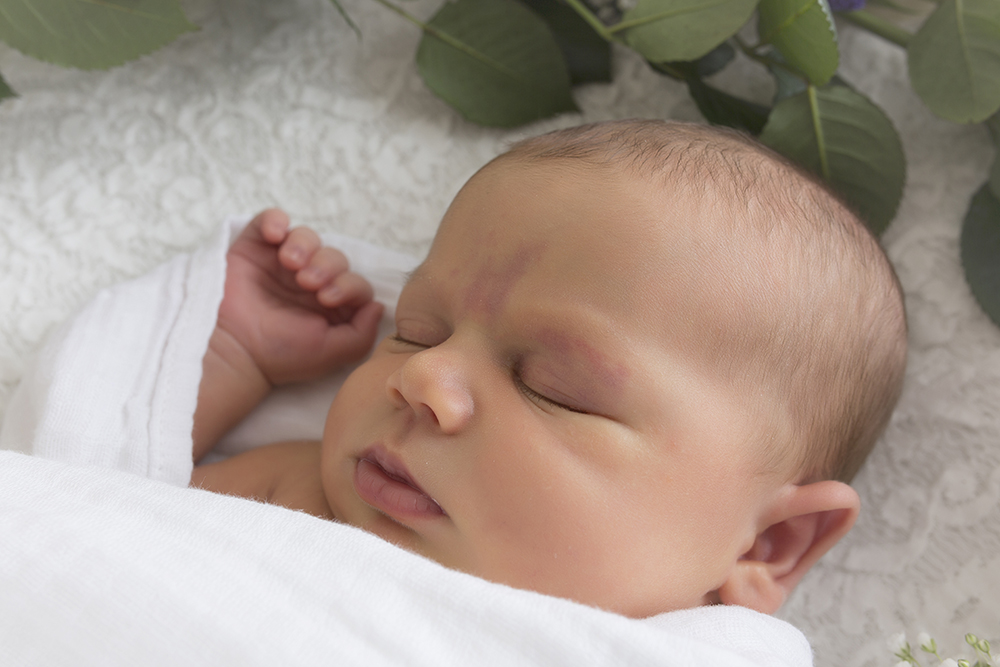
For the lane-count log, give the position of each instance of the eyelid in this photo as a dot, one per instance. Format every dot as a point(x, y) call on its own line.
point(536, 397)
point(405, 341)
point(419, 331)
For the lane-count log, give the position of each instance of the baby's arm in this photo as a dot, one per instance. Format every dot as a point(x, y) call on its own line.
point(292, 311)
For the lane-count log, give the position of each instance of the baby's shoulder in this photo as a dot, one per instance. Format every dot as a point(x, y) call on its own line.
point(282, 473)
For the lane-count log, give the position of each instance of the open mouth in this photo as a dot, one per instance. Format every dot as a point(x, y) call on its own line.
point(383, 482)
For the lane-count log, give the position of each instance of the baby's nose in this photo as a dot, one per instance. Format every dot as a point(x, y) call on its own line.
point(433, 385)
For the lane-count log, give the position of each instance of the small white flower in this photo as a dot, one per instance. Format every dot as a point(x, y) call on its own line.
point(949, 662)
point(903, 663)
point(897, 642)
point(923, 639)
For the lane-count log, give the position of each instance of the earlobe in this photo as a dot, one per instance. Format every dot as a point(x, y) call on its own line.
point(802, 524)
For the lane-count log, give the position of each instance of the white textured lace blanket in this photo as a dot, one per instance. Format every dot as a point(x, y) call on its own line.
point(104, 175)
point(107, 558)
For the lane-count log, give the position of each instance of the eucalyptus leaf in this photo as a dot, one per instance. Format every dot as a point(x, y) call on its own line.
point(711, 63)
point(668, 30)
point(495, 62)
point(721, 108)
point(718, 107)
point(5, 90)
point(587, 54)
point(981, 250)
point(954, 60)
point(715, 60)
point(804, 32)
point(90, 34)
point(842, 136)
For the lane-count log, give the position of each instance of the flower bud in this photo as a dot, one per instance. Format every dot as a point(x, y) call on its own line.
point(971, 639)
point(897, 643)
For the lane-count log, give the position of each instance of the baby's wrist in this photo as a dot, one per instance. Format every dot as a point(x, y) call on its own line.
point(231, 357)
point(232, 385)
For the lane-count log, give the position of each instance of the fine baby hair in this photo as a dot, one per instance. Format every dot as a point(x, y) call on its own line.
point(635, 370)
point(816, 325)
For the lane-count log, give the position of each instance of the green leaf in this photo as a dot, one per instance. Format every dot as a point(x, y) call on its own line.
point(842, 136)
point(5, 90)
point(715, 60)
point(587, 54)
point(495, 61)
point(954, 60)
point(981, 250)
point(90, 34)
point(666, 30)
point(712, 63)
point(720, 108)
point(804, 33)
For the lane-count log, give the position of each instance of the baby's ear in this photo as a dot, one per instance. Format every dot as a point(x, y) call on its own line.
point(801, 525)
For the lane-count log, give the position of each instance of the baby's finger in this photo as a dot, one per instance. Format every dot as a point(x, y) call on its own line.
point(324, 266)
point(347, 289)
point(352, 340)
point(272, 225)
point(298, 248)
point(269, 226)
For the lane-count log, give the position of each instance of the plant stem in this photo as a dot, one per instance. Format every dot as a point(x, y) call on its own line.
point(405, 14)
point(824, 164)
point(879, 26)
point(591, 19)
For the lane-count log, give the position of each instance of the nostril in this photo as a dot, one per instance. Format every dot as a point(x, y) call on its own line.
point(425, 411)
point(434, 390)
point(392, 390)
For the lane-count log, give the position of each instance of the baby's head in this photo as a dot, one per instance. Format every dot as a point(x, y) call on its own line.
point(635, 370)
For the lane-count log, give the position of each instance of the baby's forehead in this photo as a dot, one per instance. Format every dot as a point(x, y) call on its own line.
point(655, 230)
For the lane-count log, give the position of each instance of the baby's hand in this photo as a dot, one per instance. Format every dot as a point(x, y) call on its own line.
point(292, 304)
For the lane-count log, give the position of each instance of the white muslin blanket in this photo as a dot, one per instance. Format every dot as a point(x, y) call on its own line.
point(107, 558)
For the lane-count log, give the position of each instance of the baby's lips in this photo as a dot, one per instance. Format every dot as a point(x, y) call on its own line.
point(383, 482)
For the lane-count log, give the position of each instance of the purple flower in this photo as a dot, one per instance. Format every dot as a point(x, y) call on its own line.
point(847, 5)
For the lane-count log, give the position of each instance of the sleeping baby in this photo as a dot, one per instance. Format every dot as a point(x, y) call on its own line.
point(637, 369)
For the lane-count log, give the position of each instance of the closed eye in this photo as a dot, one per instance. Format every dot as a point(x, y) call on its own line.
point(399, 339)
point(539, 399)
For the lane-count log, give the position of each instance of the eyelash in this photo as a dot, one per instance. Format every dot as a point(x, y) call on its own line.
point(538, 399)
point(399, 339)
point(530, 393)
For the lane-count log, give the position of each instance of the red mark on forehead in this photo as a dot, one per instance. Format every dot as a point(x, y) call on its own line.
point(611, 374)
point(492, 285)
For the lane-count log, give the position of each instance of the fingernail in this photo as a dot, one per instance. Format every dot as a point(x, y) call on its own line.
point(295, 254)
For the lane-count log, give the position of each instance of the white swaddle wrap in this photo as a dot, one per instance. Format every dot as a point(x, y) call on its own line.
point(106, 558)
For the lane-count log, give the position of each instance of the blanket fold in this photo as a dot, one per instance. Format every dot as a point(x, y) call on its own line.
point(107, 558)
